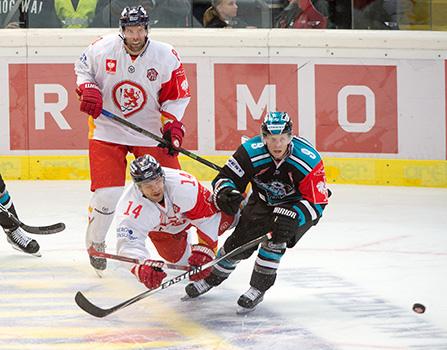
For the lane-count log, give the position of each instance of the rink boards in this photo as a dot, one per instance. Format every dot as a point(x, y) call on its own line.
point(373, 103)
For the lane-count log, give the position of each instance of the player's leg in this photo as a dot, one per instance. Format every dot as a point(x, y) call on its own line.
point(108, 173)
point(164, 159)
point(265, 270)
point(252, 224)
point(14, 234)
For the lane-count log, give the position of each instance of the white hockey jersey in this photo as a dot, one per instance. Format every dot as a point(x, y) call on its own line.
point(186, 202)
point(138, 90)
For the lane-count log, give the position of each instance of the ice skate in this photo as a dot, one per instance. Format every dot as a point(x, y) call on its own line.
point(99, 264)
point(20, 241)
point(195, 289)
point(249, 300)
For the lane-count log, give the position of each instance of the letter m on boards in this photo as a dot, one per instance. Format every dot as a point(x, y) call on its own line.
point(242, 95)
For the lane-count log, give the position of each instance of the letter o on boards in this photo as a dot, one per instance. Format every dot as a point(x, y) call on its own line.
point(370, 108)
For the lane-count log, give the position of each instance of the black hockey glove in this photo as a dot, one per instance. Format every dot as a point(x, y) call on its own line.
point(228, 200)
point(285, 224)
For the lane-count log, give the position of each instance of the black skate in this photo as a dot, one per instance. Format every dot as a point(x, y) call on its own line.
point(20, 241)
point(99, 264)
point(195, 289)
point(249, 300)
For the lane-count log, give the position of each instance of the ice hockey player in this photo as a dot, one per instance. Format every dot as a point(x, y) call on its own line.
point(14, 234)
point(142, 80)
point(289, 195)
point(164, 204)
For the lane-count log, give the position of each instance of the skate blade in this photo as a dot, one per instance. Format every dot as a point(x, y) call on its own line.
point(36, 254)
point(99, 273)
point(187, 298)
point(244, 311)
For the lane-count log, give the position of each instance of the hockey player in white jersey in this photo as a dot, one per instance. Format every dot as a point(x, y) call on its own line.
point(163, 204)
point(142, 80)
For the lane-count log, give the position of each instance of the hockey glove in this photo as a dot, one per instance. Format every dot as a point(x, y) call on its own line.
point(285, 224)
point(173, 132)
point(91, 99)
point(200, 254)
point(150, 273)
point(228, 200)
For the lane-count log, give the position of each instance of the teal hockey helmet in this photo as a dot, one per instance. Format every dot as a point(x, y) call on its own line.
point(276, 123)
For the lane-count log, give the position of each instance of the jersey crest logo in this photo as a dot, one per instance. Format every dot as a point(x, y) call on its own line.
point(152, 74)
point(176, 208)
point(129, 97)
point(110, 66)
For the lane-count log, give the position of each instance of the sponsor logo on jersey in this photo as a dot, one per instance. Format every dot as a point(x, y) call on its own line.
point(235, 167)
point(129, 96)
point(125, 232)
point(83, 58)
point(110, 66)
point(131, 69)
point(257, 145)
point(152, 74)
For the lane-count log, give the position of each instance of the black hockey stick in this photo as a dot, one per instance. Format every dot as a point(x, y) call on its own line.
point(37, 230)
point(159, 139)
point(93, 252)
point(96, 311)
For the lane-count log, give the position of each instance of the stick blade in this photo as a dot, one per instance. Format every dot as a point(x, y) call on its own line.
point(90, 308)
point(44, 230)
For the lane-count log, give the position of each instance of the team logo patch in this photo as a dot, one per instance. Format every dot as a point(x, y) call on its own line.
point(110, 66)
point(152, 74)
point(129, 96)
point(176, 208)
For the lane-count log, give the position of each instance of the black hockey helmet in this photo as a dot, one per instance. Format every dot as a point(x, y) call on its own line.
point(145, 168)
point(134, 16)
point(276, 123)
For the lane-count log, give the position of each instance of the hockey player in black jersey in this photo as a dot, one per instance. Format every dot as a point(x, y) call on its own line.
point(14, 234)
point(289, 195)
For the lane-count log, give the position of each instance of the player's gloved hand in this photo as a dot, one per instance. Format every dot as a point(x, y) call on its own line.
point(91, 99)
point(150, 273)
point(200, 254)
point(228, 200)
point(173, 132)
point(285, 224)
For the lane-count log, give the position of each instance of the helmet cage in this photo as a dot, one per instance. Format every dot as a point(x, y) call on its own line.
point(134, 16)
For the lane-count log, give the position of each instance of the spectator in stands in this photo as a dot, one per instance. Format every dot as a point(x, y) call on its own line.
point(162, 13)
point(75, 13)
point(28, 14)
point(223, 14)
point(303, 14)
point(374, 14)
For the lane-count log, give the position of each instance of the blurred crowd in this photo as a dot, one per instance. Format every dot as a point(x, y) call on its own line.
point(321, 14)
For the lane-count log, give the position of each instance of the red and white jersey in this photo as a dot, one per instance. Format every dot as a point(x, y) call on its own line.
point(139, 89)
point(186, 203)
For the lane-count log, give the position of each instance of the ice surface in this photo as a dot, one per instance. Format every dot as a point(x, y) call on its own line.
point(349, 284)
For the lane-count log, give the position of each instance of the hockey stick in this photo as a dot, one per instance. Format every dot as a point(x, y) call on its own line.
point(159, 139)
point(37, 230)
point(96, 311)
point(93, 252)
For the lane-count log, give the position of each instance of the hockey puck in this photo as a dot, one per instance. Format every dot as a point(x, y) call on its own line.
point(419, 308)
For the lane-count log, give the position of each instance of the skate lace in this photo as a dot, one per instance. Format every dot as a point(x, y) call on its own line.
point(252, 293)
point(100, 247)
point(201, 286)
point(19, 238)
